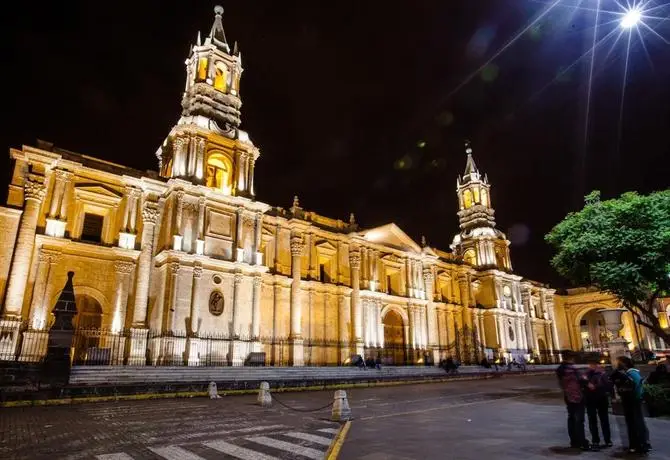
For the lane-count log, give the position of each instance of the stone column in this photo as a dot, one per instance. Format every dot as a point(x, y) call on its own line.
point(33, 194)
point(200, 159)
point(356, 313)
point(236, 356)
point(149, 218)
point(412, 327)
point(502, 332)
point(252, 167)
point(174, 296)
point(465, 299)
point(380, 325)
point(137, 345)
point(256, 310)
point(57, 194)
point(195, 300)
point(258, 233)
point(120, 299)
point(343, 318)
point(38, 310)
point(34, 343)
point(65, 198)
point(276, 305)
point(193, 342)
point(178, 160)
point(451, 323)
point(296, 347)
point(122, 271)
point(482, 330)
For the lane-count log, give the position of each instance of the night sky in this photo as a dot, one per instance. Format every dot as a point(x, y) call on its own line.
point(360, 106)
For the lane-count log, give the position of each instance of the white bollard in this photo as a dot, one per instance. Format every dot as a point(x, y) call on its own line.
point(341, 410)
point(213, 393)
point(264, 396)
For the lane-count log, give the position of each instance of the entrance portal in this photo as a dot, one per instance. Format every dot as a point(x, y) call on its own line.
point(87, 323)
point(592, 331)
point(394, 339)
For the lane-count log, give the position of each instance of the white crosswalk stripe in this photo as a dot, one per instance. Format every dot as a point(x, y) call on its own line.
point(119, 456)
point(247, 451)
point(288, 447)
point(309, 437)
point(238, 452)
point(329, 430)
point(175, 453)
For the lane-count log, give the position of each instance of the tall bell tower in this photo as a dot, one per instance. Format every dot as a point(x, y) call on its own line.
point(479, 242)
point(207, 147)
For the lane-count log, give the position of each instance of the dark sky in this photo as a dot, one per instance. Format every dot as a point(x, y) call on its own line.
point(340, 96)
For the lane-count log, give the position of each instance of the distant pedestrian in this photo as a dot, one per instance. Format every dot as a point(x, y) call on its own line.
point(522, 363)
point(378, 363)
point(628, 383)
point(569, 380)
point(597, 389)
point(660, 376)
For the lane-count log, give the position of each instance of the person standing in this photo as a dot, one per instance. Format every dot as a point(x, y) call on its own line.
point(597, 389)
point(570, 381)
point(629, 386)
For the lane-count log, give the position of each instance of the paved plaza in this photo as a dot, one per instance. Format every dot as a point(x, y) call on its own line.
point(514, 417)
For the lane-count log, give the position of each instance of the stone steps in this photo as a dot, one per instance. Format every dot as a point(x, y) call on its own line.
point(115, 375)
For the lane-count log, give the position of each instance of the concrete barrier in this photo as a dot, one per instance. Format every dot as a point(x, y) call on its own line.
point(341, 411)
point(264, 397)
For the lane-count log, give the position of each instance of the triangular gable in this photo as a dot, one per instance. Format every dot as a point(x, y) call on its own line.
point(391, 235)
point(326, 245)
point(98, 189)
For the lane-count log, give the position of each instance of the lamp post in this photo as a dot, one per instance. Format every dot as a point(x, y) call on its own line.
point(617, 346)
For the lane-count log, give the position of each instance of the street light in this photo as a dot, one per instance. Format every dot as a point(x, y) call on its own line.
point(631, 18)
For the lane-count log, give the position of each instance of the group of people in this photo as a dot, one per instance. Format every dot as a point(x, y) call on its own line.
point(590, 392)
point(367, 363)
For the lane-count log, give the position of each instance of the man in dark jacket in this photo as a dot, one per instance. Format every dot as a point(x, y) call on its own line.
point(570, 381)
point(597, 389)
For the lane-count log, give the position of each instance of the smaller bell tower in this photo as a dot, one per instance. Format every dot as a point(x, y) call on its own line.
point(207, 146)
point(479, 242)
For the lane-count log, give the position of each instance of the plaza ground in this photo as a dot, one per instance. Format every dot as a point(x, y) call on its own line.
point(513, 417)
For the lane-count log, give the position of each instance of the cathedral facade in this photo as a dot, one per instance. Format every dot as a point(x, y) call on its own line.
point(188, 252)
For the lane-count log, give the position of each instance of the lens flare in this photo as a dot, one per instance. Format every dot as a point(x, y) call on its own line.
point(631, 18)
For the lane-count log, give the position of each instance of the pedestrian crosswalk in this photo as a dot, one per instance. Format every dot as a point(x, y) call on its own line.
point(272, 445)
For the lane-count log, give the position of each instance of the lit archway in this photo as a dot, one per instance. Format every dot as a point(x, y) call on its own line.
point(219, 173)
point(394, 338)
point(470, 257)
point(88, 325)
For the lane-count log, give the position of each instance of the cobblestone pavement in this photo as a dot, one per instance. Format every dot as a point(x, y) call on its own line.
point(513, 417)
point(184, 429)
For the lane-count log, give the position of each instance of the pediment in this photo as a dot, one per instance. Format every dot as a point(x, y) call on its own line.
point(326, 245)
point(98, 189)
point(392, 236)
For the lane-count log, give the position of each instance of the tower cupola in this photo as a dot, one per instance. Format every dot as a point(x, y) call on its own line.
point(479, 242)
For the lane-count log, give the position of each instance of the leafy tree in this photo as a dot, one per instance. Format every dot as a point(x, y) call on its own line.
point(621, 246)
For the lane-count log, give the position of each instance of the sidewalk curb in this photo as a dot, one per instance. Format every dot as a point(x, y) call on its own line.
point(254, 391)
point(334, 450)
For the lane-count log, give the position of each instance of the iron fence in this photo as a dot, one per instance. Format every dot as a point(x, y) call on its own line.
point(95, 346)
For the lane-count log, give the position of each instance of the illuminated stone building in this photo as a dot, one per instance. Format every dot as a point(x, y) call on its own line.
point(189, 252)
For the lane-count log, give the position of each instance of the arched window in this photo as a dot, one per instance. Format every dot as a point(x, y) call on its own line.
point(220, 76)
point(485, 198)
point(475, 194)
point(467, 199)
point(470, 257)
point(219, 173)
point(202, 69)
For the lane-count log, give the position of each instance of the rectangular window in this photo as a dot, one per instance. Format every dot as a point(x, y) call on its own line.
point(388, 284)
point(92, 228)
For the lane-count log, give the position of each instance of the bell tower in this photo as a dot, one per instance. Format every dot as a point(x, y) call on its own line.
point(479, 242)
point(207, 147)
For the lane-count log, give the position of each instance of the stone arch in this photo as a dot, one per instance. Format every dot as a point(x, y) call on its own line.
point(401, 311)
point(97, 295)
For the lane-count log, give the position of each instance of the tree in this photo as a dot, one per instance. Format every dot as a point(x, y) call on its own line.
point(621, 246)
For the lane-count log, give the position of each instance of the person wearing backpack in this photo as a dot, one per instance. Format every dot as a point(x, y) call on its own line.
point(597, 389)
point(570, 381)
point(628, 382)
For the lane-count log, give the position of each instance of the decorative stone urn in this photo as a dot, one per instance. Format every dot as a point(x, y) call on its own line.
point(617, 346)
